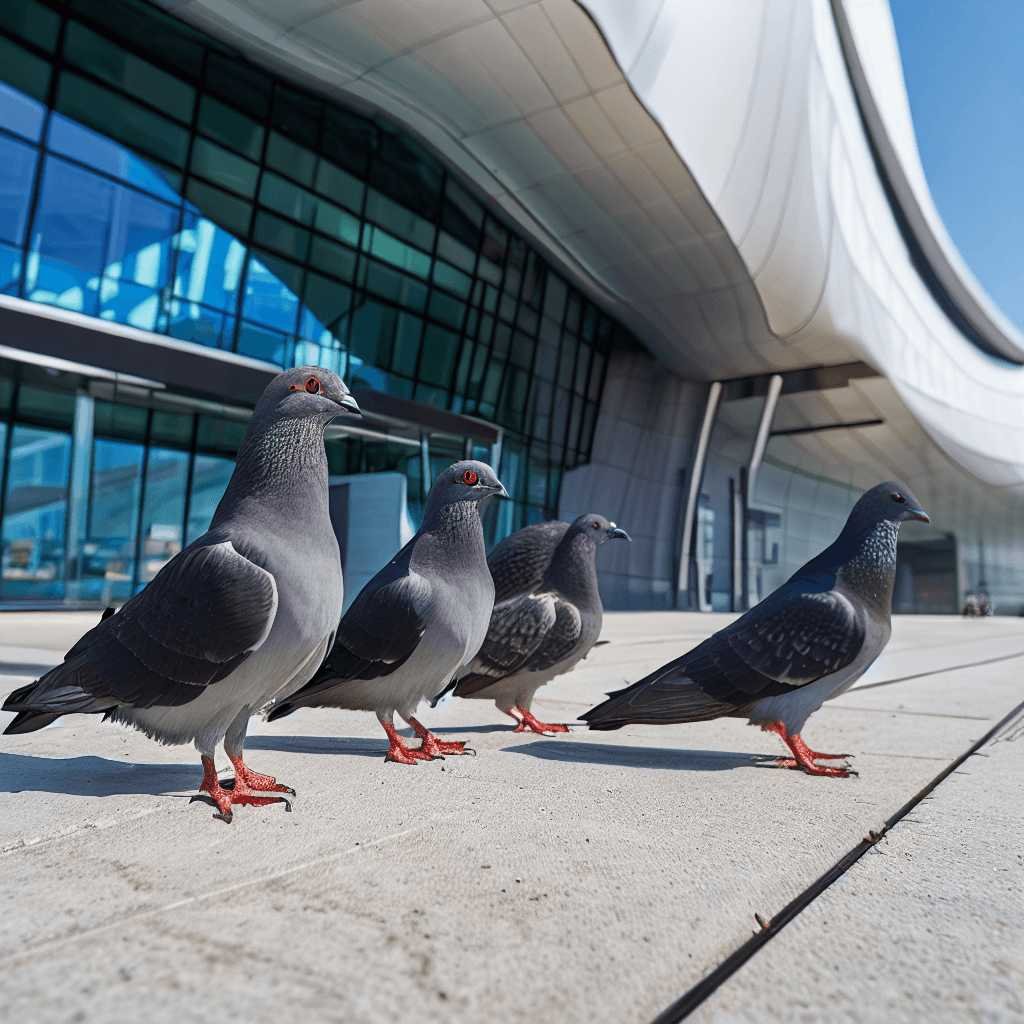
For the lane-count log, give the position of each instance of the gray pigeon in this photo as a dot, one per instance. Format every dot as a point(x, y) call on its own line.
point(243, 614)
point(806, 643)
point(547, 628)
point(419, 621)
point(518, 562)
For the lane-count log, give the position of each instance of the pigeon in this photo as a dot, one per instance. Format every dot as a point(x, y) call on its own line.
point(419, 621)
point(548, 627)
point(242, 614)
point(518, 562)
point(806, 643)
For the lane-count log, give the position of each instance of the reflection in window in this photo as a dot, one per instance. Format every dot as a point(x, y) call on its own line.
point(238, 212)
point(209, 481)
point(163, 510)
point(108, 553)
point(35, 506)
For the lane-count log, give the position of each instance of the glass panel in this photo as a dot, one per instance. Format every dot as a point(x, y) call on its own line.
point(268, 299)
point(210, 478)
point(121, 118)
point(107, 60)
point(108, 552)
point(17, 169)
point(223, 167)
point(339, 185)
point(229, 211)
point(163, 509)
point(288, 198)
point(69, 236)
point(24, 71)
point(440, 348)
point(296, 161)
point(230, 127)
point(100, 154)
point(209, 263)
point(35, 507)
point(31, 21)
point(20, 113)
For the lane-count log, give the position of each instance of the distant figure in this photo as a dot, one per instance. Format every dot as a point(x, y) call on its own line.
point(972, 607)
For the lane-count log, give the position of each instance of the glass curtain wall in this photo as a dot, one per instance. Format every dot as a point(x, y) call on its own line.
point(151, 177)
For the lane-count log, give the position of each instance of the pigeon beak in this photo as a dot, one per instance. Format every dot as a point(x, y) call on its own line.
point(617, 533)
point(919, 514)
point(499, 490)
point(349, 404)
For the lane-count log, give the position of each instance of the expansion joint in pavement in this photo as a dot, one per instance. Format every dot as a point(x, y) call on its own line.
point(692, 999)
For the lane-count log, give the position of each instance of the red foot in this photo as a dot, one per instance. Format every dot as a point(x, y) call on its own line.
point(216, 792)
point(803, 757)
point(399, 752)
point(248, 786)
point(434, 747)
point(528, 723)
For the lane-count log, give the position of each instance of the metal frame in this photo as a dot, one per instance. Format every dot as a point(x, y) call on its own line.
point(698, 462)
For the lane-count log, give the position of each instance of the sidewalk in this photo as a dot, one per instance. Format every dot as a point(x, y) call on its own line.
point(590, 877)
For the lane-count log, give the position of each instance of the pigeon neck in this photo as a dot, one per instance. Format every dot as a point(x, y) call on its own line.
point(573, 569)
point(871, 572)
point(458, 520)
point(286, 457)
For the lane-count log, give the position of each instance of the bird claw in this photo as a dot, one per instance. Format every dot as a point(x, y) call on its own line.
point(223, 813)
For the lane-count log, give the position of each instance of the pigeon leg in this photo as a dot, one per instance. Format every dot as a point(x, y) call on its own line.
point(780, 730)
point(803, 757)
point(214, 790)
point(528, 723)
point(398, 751)
point(257, 790)
point(430, 744)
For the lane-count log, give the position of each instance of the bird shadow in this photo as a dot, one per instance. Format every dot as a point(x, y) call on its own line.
point(666, 758)
point(92, 776)
point(318, 745)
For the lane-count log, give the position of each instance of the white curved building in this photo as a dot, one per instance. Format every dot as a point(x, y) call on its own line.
point(738, 185)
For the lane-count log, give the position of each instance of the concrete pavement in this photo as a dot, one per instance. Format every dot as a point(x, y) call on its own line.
point(579, 878)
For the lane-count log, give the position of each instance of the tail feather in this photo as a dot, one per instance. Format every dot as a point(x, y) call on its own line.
point(29, 721)
point(281, 710)
point(663, 701)
point(452, 686)
point(39, 703)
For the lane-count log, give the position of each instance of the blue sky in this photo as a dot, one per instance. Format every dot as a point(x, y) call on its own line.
point(963, 61)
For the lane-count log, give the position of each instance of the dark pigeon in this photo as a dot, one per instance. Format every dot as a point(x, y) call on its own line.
point(418, 622)
point(806, 643)
point(545, 629)
point(243, 614)
point(518, 563)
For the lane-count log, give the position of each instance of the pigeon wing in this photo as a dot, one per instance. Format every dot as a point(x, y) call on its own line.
point(786, 642)
point(561, 639)
point(195, 622)
point(518, 628)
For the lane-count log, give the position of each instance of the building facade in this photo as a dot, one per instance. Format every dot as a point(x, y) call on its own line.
point(515, 233)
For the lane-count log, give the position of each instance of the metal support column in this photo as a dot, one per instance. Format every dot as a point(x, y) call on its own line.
point(686, 538)
point(78, 493)
point(748, 481)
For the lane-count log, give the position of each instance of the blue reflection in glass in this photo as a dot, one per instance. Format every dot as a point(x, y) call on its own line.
point(35, 508)
point(93, 150)
point(20, 113)
point(108, 554)
point(17, 168)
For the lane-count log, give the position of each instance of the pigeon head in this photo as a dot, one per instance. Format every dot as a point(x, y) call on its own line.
point(465, 481)
point(598, 529)
point(306, 392)
point(891, 502)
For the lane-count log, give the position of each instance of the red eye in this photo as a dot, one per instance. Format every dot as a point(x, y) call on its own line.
point(313, 385)
point(470, 477)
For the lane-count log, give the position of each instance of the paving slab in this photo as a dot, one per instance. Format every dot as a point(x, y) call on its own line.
point(590, 877)
point(928, 925)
